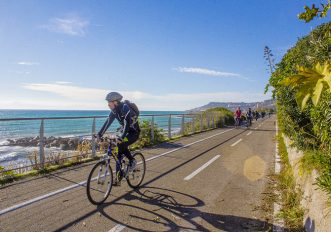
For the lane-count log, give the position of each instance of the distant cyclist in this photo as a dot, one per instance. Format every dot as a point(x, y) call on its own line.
point(249, 116)
point(237, 115)
point(257, 115)
point(128, 120)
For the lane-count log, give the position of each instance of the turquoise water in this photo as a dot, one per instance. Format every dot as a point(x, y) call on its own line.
point(63, 127)
point(67, 127)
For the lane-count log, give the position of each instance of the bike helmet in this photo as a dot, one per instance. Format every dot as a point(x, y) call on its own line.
point(114, 96)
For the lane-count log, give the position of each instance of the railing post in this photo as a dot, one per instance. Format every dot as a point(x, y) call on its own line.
point(152, 130)
point(220, 119)
point(208, 122)
point(183, 128)
point(169, 127)
point(201, 123)
point(213, 120)
point(41, 144)
point(193, 124)
point(93, 139)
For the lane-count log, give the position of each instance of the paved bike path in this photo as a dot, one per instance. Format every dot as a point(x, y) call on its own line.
point(159, 204)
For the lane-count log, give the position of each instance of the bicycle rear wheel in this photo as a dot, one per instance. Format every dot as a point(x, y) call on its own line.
point(135, 177)
point(99, 183)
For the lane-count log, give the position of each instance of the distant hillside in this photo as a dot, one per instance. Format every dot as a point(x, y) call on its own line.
point(233, 105)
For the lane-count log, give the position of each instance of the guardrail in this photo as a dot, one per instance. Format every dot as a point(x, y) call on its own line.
point(171, 124)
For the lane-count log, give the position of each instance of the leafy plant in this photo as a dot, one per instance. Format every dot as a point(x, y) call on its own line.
point(304, 126)
point(315, 160)
point(56, 158)
point(218, 117)
point(224, 114)
point(6, 176)
point(302, 87)
point(321, 119)
point(311, 13)
point(291, 196)
point(321, 162)
point(34, 159)
point(309, 83)
point(145, 135)
point(324, 182)
point(84, 148)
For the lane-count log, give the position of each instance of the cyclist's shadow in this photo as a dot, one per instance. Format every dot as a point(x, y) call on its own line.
point(179, 211)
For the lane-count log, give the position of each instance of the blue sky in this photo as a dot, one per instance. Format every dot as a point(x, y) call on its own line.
point(163, 55)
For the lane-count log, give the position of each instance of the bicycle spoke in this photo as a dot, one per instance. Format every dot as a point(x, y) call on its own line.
point(99, 182)
point(136, 176)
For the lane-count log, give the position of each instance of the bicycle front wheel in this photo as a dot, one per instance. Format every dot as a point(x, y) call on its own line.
point(99, 182)
point(136, 176)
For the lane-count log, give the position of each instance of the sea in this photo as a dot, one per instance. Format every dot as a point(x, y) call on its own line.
point(81, 128)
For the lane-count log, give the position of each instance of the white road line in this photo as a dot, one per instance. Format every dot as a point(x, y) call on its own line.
point(117, 228)
point(234, 144)
point(25, 203)
point(249, 133)
point(201, 168)
point(201, 140)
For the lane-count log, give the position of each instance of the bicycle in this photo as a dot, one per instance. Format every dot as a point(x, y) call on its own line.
point(101, 180)
point(249, 121)
point(237, 122)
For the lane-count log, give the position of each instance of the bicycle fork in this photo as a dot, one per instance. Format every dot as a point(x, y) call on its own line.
point(102, 177)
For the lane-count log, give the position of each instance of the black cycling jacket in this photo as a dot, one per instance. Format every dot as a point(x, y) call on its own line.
point(249, 114)
point(125, 116)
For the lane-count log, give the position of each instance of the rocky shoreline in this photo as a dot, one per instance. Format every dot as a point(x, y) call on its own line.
point(58, 142)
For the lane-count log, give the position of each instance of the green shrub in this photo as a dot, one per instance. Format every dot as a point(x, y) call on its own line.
point(222, 117)
point(291, 196)
point(320, 161)
point(145, 135)
point(299, 125)
point(308, 128)
point(321, 119)
point(6, 176)
point(223, 113)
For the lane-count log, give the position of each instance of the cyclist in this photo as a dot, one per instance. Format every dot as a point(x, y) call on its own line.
point(237, 115)
point(130, 126)
point(249, 116)
point(257, 115)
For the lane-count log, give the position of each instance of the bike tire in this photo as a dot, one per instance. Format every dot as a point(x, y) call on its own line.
point(90, 179)
point(141, 167)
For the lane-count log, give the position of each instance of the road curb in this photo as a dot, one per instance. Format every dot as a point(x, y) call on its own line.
point(278, 224)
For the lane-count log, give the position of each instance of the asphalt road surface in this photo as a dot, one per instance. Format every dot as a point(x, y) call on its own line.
point(211, 181)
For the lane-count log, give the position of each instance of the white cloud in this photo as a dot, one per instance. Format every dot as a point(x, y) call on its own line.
point(205, 71)
point(68, 91)
point(72, 25)
point(28, 63)
point(74, 97)
point(20, 72)
point(63, 82)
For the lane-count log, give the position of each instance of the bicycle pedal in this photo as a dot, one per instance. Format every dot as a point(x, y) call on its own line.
point(117, 184)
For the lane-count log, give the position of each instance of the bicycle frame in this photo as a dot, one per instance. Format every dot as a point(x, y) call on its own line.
point(237, 121)
point(118, 159)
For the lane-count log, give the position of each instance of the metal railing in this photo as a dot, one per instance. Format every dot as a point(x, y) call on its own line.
point(172, 125)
